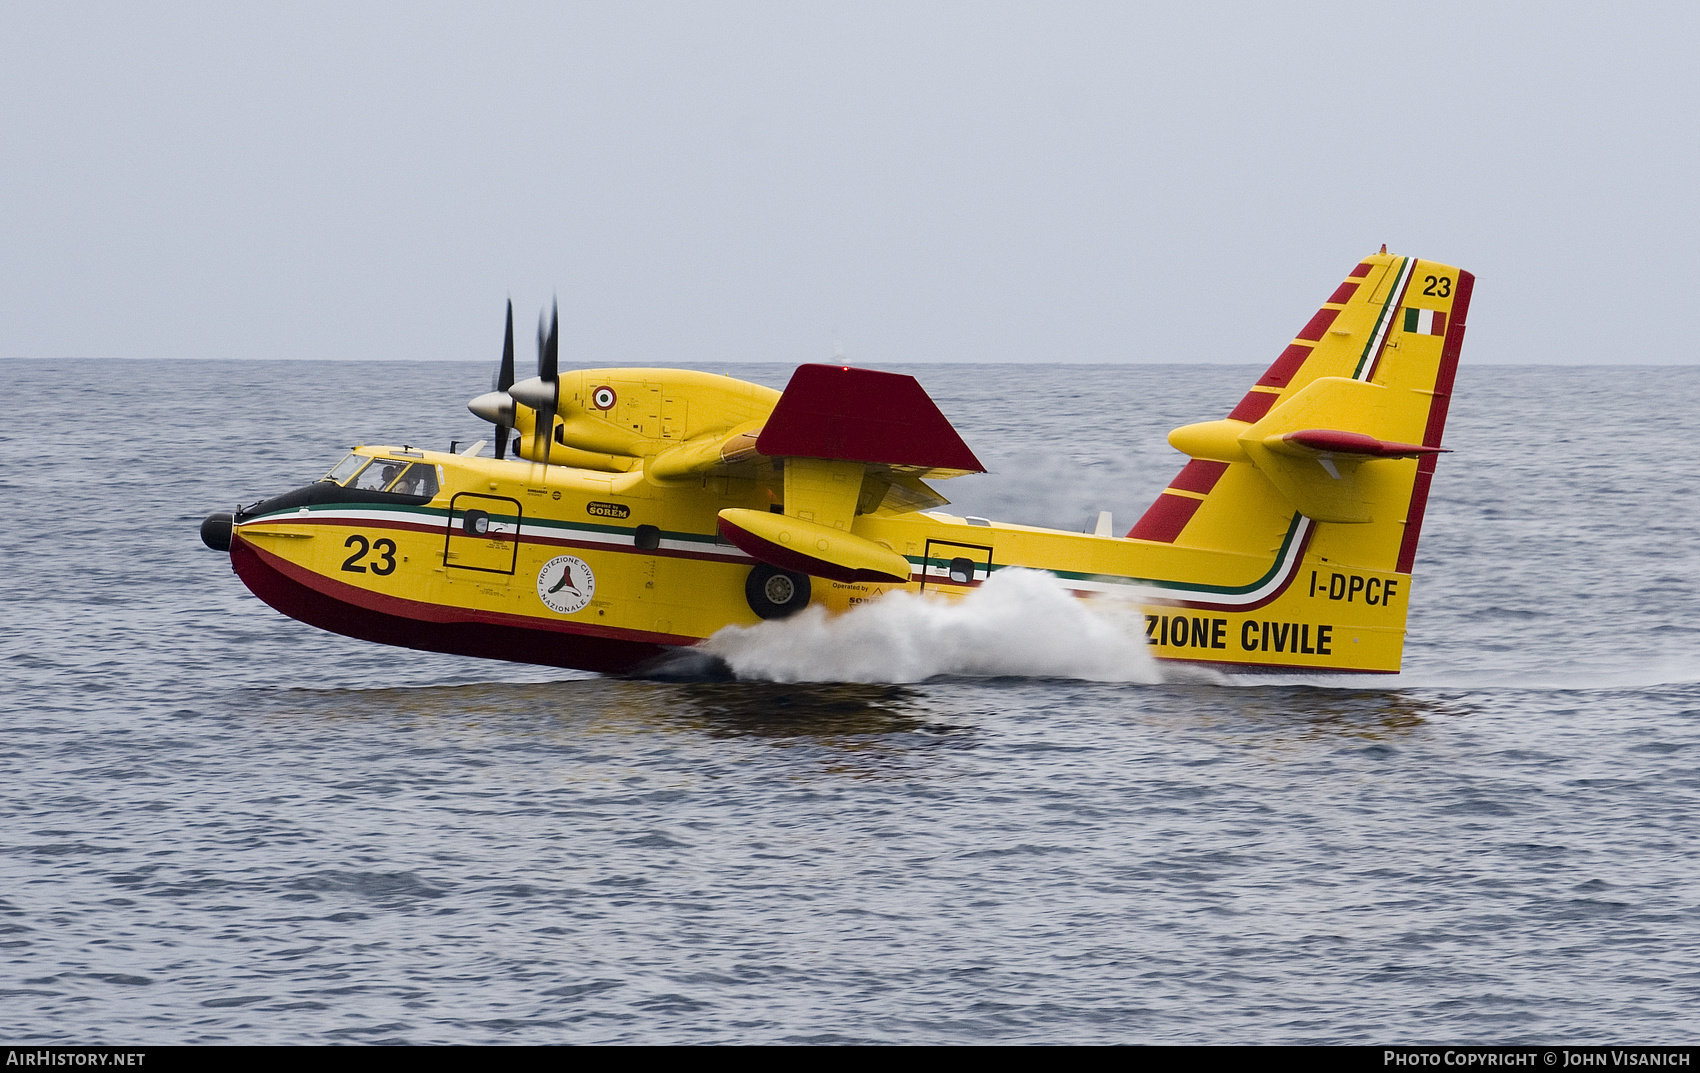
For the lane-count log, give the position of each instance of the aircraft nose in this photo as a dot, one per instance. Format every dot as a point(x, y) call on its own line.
point(215, 530)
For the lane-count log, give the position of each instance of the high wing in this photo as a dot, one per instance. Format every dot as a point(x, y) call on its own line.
point(854, 441)
point(851, 442)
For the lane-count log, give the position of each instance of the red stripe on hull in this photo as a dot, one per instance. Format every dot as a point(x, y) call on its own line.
point(1343, 293)
point(411, 624)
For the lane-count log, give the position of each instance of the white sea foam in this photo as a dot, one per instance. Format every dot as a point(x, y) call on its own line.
point(1020, 623)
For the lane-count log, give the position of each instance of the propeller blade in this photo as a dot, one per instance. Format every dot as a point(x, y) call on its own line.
point(534, 399)
point(497, 405)
point(551, 362)
point(550, 358)
point(505, 371)
point(505, 379)
point(544, 392)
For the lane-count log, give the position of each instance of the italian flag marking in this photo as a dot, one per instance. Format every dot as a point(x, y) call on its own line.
point(1425, 321)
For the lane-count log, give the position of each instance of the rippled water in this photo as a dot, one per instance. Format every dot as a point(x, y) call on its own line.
point(221, 825)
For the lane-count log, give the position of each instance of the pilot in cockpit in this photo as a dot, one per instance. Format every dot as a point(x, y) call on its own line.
point(378, 476)
point(419, 480)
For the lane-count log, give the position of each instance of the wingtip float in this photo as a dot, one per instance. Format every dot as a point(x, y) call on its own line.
point(648, 508)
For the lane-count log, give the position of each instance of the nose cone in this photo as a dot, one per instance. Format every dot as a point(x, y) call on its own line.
point(496, 407)
point(537, 393)
point(215, 530)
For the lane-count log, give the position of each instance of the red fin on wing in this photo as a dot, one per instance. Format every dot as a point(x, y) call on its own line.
point(860, 415)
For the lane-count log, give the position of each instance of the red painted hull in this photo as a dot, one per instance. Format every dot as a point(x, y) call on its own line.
point(487, 640)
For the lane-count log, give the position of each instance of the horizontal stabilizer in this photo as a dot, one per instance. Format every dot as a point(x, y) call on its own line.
point(860, 415)
point(811, 548)
point(1317, 469)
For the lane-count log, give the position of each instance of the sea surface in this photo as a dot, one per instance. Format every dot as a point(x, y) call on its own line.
point(218, 825)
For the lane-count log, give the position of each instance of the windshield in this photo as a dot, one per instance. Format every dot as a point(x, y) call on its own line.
point(378, 476)
point(395, 475)
point(385, 474)
point(419, 479)
point(346, 468)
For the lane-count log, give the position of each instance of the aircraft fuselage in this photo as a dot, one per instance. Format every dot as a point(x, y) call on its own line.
point(470, 570)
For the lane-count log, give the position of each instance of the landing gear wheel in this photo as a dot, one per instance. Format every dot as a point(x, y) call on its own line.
point(776, 593)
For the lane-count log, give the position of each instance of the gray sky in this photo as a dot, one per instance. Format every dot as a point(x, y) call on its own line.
point(931, 181)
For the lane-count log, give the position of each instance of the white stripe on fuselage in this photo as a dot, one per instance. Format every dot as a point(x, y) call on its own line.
point(440, 522)
point(1101, 584)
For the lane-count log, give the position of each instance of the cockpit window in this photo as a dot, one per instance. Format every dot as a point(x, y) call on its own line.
point(346, 468)
point(378, 476)
point(419, 479)
point(386, 474)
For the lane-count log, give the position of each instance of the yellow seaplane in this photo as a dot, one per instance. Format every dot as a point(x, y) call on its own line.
point(648, 508)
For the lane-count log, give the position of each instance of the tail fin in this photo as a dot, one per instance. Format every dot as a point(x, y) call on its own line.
point(1336, 444)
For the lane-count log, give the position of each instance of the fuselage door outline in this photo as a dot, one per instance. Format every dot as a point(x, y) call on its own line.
point(949, 562)
point(479, 527)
